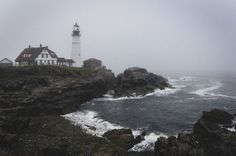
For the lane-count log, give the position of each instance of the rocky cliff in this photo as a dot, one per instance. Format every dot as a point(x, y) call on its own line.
point(213, 135)
point(138, 81)
point(31, 100)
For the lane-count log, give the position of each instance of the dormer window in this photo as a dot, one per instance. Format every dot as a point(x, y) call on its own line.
point(27, 55)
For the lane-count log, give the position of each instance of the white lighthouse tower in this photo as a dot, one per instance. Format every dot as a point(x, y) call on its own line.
point(76, 49)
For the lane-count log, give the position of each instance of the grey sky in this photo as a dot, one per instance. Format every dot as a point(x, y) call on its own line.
point(161, 35)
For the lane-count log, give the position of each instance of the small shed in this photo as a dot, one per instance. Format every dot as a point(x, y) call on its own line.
point(92, 63)
point(6, 62)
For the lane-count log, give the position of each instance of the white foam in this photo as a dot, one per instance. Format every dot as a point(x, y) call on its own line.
point(208, 92)
point(92, 124)
point(157, 92)
point(148, 143)
point(232, 129)
point(89, 121)
point(164, 92)
point(118, 99)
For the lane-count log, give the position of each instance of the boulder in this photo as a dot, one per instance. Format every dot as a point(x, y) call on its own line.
point(177, 146)
point(210, 137)
point(138, 81)
point(92, 64)
point(218, 116)
point(140, 138)
point(211, 131)
point(121, 137)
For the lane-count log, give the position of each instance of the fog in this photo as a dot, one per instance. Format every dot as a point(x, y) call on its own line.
point(164, 36)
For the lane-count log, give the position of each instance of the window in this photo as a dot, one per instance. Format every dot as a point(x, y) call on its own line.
point(53, 62)
point(46, 55)
point(41, 62)
point(48, 61)
point(42, 55)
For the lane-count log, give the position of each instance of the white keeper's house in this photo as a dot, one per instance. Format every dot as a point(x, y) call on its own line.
point(44, 56)
point(41, 56)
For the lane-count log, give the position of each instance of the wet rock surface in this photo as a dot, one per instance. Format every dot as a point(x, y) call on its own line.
point(51, 90)
point(33, 98)
point(121, 137)
point(210, 137)
point(138, 81)
point(31, 102)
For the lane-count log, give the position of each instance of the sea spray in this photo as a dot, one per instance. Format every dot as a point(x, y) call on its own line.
point(94, 125)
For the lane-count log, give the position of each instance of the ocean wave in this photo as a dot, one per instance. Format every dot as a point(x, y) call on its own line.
point(166, 91)
point(157, 92)
point(92, 124)
point(111, 98)
point(232, 129)
point(208, 92)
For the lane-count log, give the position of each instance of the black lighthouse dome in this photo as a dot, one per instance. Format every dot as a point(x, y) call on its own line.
point(76, 31)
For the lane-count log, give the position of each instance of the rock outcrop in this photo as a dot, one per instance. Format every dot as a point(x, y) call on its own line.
point(138, 81)
point(51, 90)
point(33, 98)
point(123, 138)
point(213, 134)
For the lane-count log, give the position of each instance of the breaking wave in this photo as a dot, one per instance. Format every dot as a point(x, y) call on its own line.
point(148, 143)
point(157, 92)
point(111, 98)
point(92, 124)
point(208, 91)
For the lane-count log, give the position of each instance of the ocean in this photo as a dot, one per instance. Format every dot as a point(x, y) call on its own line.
point(161, 113)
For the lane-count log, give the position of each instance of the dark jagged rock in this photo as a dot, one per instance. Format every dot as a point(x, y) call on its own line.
point(210, 137)
point(212, 133)
point(141, 153)
point(51, 90)
point(184, 145)
point(139, 138)
point(121, 137)
point(218, 116)
point(31, 100)
point(56, 136)
point(137, 81)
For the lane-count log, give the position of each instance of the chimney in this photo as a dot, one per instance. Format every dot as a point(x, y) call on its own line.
point(29, 46)
point(40, 45)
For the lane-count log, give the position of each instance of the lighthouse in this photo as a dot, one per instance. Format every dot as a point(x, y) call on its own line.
point(76, 49)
